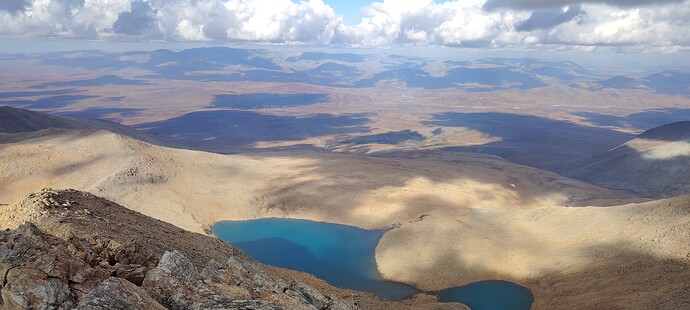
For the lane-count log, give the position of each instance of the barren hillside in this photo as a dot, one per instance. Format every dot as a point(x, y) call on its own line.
point(71, 249)
point(654, 164)
point(478, 218)
point(14, 120)
point(193, 189)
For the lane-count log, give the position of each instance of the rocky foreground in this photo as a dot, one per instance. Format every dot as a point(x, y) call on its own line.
point(70, 249)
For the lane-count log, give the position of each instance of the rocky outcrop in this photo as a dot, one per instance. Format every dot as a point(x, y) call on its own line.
point(238, 284)
point(118, 294)
point(40, 271)
point(71, 267)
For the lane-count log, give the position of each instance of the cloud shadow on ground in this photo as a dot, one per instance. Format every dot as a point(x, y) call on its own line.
point(531, 140)
point(226, 129)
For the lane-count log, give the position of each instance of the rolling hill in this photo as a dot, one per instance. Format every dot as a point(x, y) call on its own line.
point(14, 120)
point(654, 164)
point(479, 218)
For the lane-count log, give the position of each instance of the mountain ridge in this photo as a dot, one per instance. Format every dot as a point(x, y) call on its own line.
point(654, 164)
point(16, 120)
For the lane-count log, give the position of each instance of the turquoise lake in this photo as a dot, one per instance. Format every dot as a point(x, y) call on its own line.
point(344, 256)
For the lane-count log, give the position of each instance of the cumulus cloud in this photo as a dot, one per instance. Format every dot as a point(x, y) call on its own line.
point(540, 4)
point(138, 20)
point(548, 18)
point(664, 26)
point(451, 23)
point(464, 23)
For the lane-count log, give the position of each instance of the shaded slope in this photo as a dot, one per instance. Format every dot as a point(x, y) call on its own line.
point(13, 120)
point(655, 163)
point(531, 140)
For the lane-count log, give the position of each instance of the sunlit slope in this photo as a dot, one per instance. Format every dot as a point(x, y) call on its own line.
point(480, 218)
point(195, 189)
point(655, 163)
point(631, 256)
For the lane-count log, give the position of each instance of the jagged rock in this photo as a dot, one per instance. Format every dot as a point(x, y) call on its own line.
point(225, 282)
point(97, 265)
point(316, 299)
point(40, 272)
point(335, 303)
point(29, 288)
point(118, 294)
point(176, 284)
point(245, 279)
point(174, 263)
point(312, 296)
point(132, 273)
point(254, 278)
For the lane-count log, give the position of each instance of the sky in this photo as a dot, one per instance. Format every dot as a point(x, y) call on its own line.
point(350, 10)
point(627, 26)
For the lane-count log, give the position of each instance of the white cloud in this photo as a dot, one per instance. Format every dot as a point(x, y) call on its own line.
point(667, 25)
point(664, 26)
point(283, 20)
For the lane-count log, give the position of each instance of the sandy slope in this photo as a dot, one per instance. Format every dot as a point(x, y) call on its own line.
point(484, 218)
point(194, 189)
point(629, 256)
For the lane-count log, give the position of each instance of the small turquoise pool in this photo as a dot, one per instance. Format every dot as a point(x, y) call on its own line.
point(344, 256)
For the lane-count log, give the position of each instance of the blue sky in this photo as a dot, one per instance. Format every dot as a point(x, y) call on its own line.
point(350, 9)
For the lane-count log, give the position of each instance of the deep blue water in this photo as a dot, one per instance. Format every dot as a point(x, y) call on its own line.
point(490, 295)
point(344, 256)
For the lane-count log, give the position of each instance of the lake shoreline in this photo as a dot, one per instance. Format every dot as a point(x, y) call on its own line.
point(383, 287)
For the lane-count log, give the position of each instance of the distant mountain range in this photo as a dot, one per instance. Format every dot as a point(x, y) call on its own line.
point(666, 82)
point(350, 70)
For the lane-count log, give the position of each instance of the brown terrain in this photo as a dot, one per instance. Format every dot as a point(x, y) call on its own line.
point(71, 249)
point(386, 155)
point(476, 218)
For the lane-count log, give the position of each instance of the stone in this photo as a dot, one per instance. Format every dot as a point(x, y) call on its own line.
point(132, 273)
point(89, 268)
point(309, 294)
point(118, 294)
point(29, 288)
